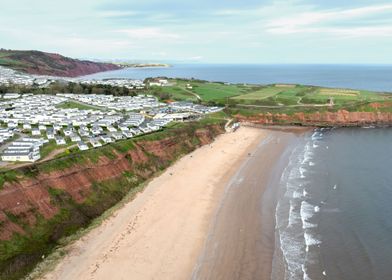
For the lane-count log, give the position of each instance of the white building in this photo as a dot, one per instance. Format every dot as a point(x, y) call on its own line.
point(82, 146)
point(60, 141)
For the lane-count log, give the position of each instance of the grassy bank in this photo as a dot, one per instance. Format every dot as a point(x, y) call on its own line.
point(22, 252)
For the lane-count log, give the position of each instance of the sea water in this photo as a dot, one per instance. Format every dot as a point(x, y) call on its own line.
point(334, 212)
point(367, 77)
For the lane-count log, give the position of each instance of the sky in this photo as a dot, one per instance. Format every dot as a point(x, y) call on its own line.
point(204, 31)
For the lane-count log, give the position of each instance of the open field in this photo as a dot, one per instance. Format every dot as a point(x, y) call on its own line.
point(216, 91)
point(205, 91)
point(281, 97)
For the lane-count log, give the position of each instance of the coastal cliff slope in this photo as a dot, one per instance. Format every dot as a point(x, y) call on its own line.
point(42, 203)
point(339, 118)
point(51, 64)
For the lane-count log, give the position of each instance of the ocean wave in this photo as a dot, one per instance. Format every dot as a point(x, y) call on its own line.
point(305, 274)
point(308, 154)
point(294, 217)
point(292, 249)
point(302, 172)
point(289, 219)
point(307, 212)
point(317, 136)
point(297, 194)
point(310, 239)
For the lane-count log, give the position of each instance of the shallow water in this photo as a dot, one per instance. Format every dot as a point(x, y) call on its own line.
point(334, 211)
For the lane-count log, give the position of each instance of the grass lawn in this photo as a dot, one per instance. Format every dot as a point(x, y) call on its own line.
point(76, 105)
point(260, 93)
point(50, 147)
point(176, 92)
point(217, 91)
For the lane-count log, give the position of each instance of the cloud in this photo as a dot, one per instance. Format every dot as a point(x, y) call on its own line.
point(264, 31)
point(337, 22)
point(148, 33)
point(195, 58)
point(116, 14)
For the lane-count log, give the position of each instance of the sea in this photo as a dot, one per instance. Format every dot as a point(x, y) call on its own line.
point(333, 215)
point(334, 207)
point(364, 77)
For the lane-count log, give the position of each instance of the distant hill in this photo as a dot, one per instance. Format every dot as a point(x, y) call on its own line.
point(42, 63)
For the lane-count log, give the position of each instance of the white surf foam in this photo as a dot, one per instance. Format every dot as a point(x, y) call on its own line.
point(294, 216)
point(302, 172)
point(307, 212)
point(293, 212)
point(305, 275)
point(297, 194)
point(310, 239)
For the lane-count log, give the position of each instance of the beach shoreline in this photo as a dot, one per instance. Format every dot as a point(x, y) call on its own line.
point(160, 234)
point(165, 231)
point(241, 238)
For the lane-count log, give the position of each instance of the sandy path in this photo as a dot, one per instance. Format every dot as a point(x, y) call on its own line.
point(161, 233)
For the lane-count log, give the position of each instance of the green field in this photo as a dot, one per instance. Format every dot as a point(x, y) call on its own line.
point(76, 105)
point(281, 97)
point(176, 92)
point(206, 91)
point(216, 91)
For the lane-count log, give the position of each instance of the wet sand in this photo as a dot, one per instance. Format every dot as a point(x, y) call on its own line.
point(161, 233)
point(241, 237)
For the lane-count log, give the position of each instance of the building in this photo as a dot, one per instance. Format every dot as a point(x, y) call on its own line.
point(106, 139)
point(27, 155)
point(82, 146)
point(24, 150)
point(75, 138)
point(60, 140)
point(95, 142)
point(35, 132)
point(117, 135)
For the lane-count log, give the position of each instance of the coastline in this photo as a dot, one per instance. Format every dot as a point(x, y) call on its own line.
point(160, 234)
point(241, 239)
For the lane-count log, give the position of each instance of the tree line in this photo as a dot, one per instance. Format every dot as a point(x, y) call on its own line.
point(64, 87)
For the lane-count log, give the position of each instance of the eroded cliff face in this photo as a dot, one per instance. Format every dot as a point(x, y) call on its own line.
point(339, 118)
point(60, 201)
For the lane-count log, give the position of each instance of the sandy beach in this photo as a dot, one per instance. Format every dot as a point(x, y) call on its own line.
point(161, 233)
point(241, 239)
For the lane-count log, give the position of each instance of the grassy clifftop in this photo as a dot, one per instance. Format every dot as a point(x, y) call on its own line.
point(42, 63)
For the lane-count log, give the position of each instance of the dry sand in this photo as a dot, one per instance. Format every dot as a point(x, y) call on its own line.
point(161, 233)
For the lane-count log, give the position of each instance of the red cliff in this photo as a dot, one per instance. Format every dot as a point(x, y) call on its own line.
point(339, 118)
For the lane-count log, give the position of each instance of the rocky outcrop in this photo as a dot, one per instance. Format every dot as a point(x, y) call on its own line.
point(339, 118)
